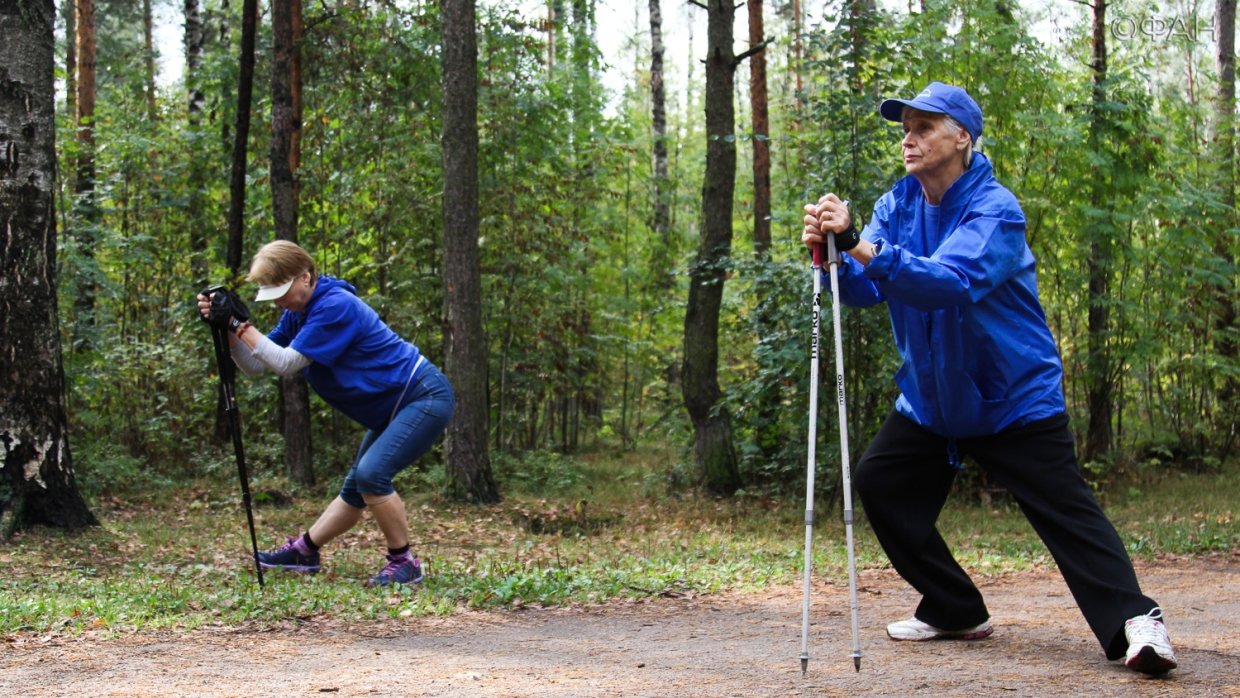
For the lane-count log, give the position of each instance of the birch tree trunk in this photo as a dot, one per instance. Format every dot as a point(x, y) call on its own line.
point(661, 226)
point(37, 482)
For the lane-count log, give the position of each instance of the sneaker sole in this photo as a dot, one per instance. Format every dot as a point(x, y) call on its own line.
point(1148, 661)
point(304, 569)
point(970, 635)
point(371, 583)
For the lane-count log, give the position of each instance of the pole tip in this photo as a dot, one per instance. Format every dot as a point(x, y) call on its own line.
point(804, 665)
point(857, 662)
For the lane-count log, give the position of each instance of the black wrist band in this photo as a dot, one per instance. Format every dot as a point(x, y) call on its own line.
point(848, 239)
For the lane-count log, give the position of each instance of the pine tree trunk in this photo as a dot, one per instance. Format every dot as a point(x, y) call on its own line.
point(285, 126)
point(713, 450)
point(245, 96)
point(283, 122)
point(37, 482)
point(86, 211)
point(70, 15)
point(761, 134)
point(1098, 364)
point(468, 462)
point(1226, 325)
point(798, 51)
point(766, 432)
point(149, 45)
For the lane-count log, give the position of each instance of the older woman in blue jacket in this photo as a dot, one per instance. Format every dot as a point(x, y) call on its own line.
point(981, 377)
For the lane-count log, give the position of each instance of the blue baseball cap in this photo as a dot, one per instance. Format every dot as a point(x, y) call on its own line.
point(939, 98)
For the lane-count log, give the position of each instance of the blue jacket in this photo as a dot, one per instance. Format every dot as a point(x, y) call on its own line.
point(961, 286)
point(360, 366)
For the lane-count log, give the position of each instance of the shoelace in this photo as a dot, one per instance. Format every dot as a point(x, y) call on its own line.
point(1147, 629)
point(394, 565)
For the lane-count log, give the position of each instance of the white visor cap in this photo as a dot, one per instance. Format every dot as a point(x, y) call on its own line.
point(270, 293)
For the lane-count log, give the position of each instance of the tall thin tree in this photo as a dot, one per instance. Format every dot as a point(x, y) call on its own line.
point(468, 462)
point(766, 432)
point(758, 106)
point(37, 481)
point(70, 15)
point(1226, 325)
point(86, 209)
point(245, 97)
point(712, 423)
point(1098, 263)
point(194, 39)
point(148, 45)
point(285, 130)
point(661, 226)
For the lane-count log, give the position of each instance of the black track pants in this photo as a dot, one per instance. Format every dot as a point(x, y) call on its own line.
point(903, 481)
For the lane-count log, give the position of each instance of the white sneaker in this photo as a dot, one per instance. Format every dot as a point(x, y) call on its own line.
point(1149, 648)
point(917, 631)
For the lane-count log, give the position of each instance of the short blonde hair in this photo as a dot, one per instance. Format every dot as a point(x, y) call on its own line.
point(278, 261)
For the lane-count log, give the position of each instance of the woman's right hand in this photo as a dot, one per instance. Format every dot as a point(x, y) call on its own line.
point(830, 215)
point(204, 306)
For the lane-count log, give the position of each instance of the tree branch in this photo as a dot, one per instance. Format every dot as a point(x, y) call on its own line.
point(756, 48)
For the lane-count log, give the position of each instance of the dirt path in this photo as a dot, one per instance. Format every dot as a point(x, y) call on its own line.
point(712, 646)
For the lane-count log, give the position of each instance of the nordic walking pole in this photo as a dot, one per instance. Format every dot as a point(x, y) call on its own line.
point(811, 461)
point(845, 466)
point(228, 372)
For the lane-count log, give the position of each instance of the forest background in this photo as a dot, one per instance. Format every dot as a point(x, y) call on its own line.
point(1115, 131)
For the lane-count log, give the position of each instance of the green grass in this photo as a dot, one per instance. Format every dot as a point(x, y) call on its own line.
point(179, 558)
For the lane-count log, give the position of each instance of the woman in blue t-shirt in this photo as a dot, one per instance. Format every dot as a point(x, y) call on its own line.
point(359, 366)
point(945, 250)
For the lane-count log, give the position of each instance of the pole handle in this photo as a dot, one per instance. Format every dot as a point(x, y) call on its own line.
point(817, 251)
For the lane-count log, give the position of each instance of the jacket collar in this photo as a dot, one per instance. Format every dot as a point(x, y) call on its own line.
point(959, 193)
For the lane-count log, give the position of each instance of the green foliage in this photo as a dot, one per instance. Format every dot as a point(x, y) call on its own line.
point(537, 473)
point(583, 325)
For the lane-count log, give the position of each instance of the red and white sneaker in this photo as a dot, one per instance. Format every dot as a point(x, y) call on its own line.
point(1149, 647)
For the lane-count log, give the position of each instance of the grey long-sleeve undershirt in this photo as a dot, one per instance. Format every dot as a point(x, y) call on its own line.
point(268, 356)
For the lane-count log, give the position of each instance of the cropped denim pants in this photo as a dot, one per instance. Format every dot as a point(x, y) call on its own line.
point(411, 433)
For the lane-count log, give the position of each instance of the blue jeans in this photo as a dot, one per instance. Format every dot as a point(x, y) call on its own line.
point(411, 433)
